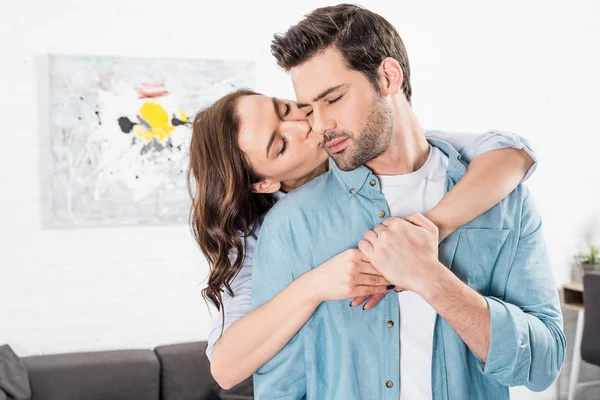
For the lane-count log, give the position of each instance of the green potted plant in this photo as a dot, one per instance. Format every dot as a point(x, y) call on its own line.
point(588, 261)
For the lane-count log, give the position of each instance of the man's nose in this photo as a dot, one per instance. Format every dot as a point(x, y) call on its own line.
point(321, 123)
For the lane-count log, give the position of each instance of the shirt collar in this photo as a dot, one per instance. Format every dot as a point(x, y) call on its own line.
point(353, 181)
point(278, 195)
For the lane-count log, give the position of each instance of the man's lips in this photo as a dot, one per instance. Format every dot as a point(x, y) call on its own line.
point(336, 145)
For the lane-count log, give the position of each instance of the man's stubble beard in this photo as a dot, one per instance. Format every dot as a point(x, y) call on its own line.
point(374, 138)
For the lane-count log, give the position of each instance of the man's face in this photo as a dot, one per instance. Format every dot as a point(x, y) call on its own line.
point(342, 105)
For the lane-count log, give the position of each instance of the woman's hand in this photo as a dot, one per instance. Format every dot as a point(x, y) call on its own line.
point(348, 275)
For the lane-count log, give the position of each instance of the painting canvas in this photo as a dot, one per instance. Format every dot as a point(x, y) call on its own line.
point(120, 131)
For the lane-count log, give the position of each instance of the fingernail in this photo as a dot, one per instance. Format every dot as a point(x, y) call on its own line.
point(350, 304)
point(363, 307)
point(390, 287)
point(398, 291)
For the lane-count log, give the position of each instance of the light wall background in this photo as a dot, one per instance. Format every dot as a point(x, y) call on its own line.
point(531, 67)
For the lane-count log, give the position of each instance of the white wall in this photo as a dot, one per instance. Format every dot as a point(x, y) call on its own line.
point(529, 67)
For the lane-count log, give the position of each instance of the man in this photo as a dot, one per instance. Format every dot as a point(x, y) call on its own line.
point(477, 315)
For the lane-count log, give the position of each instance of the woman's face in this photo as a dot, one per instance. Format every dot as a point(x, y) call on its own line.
point(278, 142)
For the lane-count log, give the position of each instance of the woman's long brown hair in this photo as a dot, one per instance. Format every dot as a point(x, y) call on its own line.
point(224, 209)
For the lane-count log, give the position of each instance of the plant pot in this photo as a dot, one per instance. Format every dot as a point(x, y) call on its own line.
point(580, 269)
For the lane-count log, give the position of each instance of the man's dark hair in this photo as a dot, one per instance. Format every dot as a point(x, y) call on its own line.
point(362, 37)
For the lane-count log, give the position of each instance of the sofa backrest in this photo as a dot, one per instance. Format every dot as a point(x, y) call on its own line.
point(172, 372)
point(103, 375)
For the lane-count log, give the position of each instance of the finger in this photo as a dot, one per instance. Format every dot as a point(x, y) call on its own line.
point(372, 280)
point(365, 290)
point(420, 220)
point(373, 300)
point(357, 301)
point(366, 247)
point(390, 221)
point(366, 267)
point(370, 236)
point(399, 289)
point(379, 228)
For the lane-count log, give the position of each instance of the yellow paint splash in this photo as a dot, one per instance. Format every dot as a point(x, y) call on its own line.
point(158, 119)
point(184, 116)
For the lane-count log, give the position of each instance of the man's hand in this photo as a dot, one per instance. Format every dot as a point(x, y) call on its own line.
point(404, 250)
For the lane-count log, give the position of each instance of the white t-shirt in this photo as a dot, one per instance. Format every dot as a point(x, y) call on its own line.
point(419, 192)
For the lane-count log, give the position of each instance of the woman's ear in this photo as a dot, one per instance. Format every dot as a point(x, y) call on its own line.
point(266, 186)
point(390, 76)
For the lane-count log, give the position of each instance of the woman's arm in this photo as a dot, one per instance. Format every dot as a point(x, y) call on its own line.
point(500, 162)
point(250, 342)
point(247, 344)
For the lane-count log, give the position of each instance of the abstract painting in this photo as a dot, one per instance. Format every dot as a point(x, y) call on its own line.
point(119, 135)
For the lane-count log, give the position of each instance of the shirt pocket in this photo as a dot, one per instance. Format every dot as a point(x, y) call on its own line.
point(480, 255)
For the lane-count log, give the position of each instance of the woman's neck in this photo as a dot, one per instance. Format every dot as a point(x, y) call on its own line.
point(288, 186)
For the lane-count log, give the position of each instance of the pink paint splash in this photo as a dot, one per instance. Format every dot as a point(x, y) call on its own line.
point(151, 90)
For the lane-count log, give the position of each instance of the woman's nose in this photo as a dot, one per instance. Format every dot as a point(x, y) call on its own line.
point(300, 129)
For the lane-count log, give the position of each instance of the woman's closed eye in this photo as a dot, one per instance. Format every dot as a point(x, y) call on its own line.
point(284, 147)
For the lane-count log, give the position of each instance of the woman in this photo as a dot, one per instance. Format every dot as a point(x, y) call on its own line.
point(247, 151)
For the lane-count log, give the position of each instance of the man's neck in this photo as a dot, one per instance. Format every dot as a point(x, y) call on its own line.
point(408, 150)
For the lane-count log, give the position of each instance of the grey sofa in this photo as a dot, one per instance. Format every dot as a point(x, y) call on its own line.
point(172, 372)
point(590, 345)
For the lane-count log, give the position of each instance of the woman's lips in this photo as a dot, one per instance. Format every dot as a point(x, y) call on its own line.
point(337, 145)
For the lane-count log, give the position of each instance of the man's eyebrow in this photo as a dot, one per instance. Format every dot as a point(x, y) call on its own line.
point(271, 140)
point(323, 94)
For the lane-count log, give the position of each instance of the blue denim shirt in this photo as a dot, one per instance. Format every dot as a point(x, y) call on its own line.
point(346, 353)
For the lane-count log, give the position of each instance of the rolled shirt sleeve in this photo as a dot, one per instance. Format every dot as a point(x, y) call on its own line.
point(471, 145)
point(527, 344)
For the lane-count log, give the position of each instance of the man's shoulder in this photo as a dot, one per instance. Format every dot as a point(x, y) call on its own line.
point(508, 214)
point(306, 196)
point(306, 200)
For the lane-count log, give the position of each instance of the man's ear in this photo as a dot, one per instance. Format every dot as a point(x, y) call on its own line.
point(266, 186)
point(390, 76)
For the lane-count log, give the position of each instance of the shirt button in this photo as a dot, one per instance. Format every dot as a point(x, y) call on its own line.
point(381, 214)
point(389, 384)
point(352, 191)
point(390, 324)
point(372, 182)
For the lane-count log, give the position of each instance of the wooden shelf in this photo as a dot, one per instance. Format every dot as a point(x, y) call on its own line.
point(572, 295)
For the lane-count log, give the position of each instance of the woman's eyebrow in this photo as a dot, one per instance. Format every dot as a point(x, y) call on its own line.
point(271, 140)
point(276, 107)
